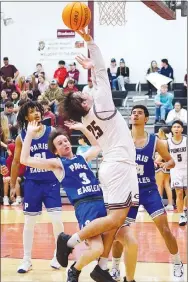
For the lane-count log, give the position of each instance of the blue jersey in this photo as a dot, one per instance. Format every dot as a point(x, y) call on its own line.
point(79, 181)
point(145, 164)
point(39, 148)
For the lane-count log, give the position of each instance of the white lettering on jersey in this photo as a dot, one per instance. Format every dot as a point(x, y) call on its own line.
point(142, 158)
point(77, 166)
point(88, 189)
point(39, 146)
point(178, 153)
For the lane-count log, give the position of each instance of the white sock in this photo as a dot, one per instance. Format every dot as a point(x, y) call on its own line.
point(177, 259)
point(28, 234)
point(103, 262)
point(116, 263)
point(182, 214)
point(74, 240)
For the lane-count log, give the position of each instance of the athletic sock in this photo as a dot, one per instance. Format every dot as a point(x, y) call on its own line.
point(103, 262)
point(177, 259)
point(116, 263)
point(74, 240)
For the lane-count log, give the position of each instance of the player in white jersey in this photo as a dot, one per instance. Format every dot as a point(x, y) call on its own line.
point(178, 150)
point(118, 171)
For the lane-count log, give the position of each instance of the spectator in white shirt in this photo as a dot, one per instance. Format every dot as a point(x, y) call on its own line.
point(178, 113)
point(89, 88)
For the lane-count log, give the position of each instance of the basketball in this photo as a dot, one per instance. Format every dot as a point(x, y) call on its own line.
point(76, 15)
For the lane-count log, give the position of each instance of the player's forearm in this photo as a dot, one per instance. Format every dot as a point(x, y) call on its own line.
point(14, 172)
point(96, 56)
point(170, 164)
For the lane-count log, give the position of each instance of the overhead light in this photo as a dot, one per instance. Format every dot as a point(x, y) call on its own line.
point(6, 21)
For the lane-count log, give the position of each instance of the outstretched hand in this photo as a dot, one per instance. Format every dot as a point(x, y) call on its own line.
point(86, 36)
point(33, 128)
point(74, 125)
point(85, 62)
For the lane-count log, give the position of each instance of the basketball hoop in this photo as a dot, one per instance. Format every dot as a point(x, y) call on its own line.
point(112, 13)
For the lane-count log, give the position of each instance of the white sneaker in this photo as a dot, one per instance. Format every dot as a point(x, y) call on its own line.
point(178, 270)
point(17, 202)
point(55, 264)
point(169, 208)
point(25, 266)
point(6, 201)
point(115, 274)
point(182, 220)
point(141, 208)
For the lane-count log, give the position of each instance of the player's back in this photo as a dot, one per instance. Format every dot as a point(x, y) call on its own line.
point(39, 149)
point(179, 152)
point(79, 181)
point(112, 135)
point(145, 164)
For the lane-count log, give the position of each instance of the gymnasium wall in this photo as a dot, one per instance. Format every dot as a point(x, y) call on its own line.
point(145, 37)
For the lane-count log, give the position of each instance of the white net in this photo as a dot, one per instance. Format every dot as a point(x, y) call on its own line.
point(112, 13)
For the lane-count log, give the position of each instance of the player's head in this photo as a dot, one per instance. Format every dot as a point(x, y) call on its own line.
point(82, 140)
point(76, 105)
point(163, 131)
point(59, 143)
point(139, 115)
point(28, 112)
point(177, 128)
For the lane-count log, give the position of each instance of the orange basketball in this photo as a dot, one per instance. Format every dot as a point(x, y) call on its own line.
point(76, 15)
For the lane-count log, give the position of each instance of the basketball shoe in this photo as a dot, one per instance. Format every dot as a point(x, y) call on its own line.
point(115, 273)
point(54, 263)
point(125, 280)
point(178, 270)
point(63, 251)
point(101, 275)
point(182, 220)
point(73, 274)
point(25, 266)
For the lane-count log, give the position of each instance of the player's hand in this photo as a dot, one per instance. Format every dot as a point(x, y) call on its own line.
point(86, 36)
point(74, 125)
point(163, 165)
point(85, 62)
point(4, 170)
point(12, 193)
point(33, 128)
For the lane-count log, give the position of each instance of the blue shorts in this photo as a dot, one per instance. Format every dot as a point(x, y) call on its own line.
point(88, 211)
point(38, 192)
point(152, 202)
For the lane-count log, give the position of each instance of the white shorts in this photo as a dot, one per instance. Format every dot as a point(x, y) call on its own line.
point(119, 184)
point(178, 178)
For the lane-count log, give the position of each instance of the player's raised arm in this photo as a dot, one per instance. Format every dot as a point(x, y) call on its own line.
point(162, 149)
point(26, 159)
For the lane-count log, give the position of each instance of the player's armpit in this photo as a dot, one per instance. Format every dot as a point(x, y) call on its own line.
point(162, 149)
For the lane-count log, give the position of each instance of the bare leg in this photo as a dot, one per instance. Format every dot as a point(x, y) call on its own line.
point(160, 182)
point(94, 252)
point(108, 239)
point(17, 187)
point(179, 199)
point(168, 188)
point(6, 181)
point(185, 201)
point(163, 227)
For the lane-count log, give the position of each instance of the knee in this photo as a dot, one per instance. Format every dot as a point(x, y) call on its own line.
point(179, 195)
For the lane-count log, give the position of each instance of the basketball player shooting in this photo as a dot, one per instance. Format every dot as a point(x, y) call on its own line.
point(118, 171)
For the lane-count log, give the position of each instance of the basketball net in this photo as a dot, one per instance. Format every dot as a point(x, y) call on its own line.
point(112, 13)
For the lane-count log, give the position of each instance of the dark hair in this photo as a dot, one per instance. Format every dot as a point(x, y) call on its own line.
point(165, 130)
point(61, 62)
point(21, 102)
point(39, 64)
point(9, 104)
point(146, 112)
point(44, 103)
point(84, 138)
point(23, 112)
point(179, 122)
point(164, 61)
point(5, 59)
point(71, 107)
point(52, 136)
point(178, 103)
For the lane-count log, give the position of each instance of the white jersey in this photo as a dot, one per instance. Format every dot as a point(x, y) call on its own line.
point(104, 120)
point(179, 153)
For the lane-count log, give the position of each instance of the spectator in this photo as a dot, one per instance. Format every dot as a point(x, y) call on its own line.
point(70, 87)
point(47, 112)
point(43, 84)
point(178, 113)
point(73, 73)
point(122, 75)
point(61, 73)
point(167, 70)
point(25, 84)
point(24, 96)
point(9, 86)
point(4, 99)
point(5, 133)
point(12, 121)
point(163, 104)
point(83, 147)
point(60, 121)
point(8, 70)
point(39, 71)
point(54, 94)
point(112, 74)
point(6, 178)
point(153, 68)
point(40, 99)
point(15, 100)
point(185, 86)
point(89, 89)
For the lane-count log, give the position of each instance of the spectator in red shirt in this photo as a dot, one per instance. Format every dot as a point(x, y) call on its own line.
point(70, 87)
point(47, 113)
point(61, 73)
point(9, 87)
point(6, 178)
point(8, 70)
point(73, 73)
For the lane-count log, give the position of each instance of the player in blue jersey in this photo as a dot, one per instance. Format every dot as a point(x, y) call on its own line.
point(146, 145)
point(40, 186)
point(81, 186)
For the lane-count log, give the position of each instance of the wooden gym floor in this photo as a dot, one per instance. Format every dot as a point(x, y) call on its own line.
point(154, 261)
